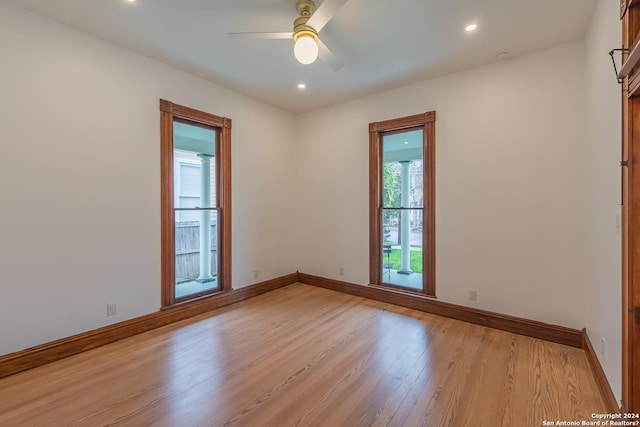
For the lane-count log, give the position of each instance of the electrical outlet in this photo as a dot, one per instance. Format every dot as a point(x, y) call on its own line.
point(112, 309)
point(473, 295)
point(256, 273)
point(341, 271)
point(603, 343)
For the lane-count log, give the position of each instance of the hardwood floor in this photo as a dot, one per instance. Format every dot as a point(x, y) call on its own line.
point(307, 356)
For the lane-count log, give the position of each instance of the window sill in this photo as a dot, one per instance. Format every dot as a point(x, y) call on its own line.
point(404, 291)
point(196, 300)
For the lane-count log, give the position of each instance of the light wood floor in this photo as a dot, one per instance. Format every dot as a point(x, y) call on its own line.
point(310, 357)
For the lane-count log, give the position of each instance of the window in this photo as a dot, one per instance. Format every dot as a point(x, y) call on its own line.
point(196, 203)
point(402, 203)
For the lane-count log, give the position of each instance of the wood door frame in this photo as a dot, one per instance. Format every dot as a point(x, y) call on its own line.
point(630, 15)
point(631, 256)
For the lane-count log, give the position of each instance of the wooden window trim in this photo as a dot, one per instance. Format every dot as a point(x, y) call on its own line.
point(168, 113)
point(425, 121)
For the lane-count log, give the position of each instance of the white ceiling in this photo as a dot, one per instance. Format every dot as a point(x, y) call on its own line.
point(383, 43)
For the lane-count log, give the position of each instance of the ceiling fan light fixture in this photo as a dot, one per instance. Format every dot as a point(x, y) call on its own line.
point(305, 48)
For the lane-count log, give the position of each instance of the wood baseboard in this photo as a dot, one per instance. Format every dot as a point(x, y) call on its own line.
point(531, 328)
point(598, 372)
point(36, 356)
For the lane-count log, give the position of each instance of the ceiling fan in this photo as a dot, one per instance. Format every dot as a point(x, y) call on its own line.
point(307, 46)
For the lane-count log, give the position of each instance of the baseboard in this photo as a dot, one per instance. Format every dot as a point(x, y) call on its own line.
point(36, 356)
point(598, 372)
point(531, 328)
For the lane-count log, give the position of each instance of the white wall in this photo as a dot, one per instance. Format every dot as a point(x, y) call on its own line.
point(510, 184)
point(603, 138)
point(80, 179)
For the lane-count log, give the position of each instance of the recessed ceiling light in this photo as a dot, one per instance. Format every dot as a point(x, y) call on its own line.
point(470, 27)
point(301, 86)
point(406, 143)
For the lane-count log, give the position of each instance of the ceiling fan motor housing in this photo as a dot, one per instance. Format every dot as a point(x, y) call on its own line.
point(305, 8)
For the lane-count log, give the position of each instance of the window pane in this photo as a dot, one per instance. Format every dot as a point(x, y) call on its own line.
point(402, 228)
point(402, 248)
point(196, 253)
point(194, 149)
point(190, 181)
point(402, 165)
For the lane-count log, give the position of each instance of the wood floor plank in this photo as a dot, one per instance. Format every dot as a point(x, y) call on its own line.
point(306, 356)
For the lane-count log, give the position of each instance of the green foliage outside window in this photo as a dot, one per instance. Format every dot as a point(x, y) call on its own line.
point(391, 192)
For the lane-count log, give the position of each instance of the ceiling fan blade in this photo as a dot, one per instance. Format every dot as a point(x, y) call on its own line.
point(328, 57)
point(266, 36)
point(324, 13)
